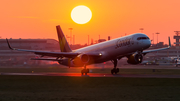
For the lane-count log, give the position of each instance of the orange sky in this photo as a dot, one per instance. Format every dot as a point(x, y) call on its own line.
point(38, 18)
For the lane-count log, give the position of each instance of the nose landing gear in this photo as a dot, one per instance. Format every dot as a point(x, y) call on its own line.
point(115, 70)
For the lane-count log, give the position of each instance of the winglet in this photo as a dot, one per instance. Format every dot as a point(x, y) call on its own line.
point(169, 43)
point(9, 44)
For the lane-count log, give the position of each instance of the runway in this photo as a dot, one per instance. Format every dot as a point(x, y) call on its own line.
point(126, 71)
point(97, 75)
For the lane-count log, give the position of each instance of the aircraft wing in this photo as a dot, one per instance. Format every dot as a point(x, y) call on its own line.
point(153, 50)
point(55, 54)
point(46, 53)
point(51, 54)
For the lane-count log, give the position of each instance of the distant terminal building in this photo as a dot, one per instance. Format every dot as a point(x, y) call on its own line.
point(160, 44)
point(101, 40)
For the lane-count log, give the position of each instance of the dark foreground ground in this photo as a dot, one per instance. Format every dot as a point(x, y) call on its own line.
point(56, 88)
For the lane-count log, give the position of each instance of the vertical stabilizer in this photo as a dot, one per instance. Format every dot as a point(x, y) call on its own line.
point(64, 46)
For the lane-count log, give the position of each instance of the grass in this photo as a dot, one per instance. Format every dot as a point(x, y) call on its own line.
point(56, 88)
point(53, 88)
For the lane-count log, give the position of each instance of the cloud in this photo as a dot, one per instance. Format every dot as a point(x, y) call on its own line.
point(26, 17)
point(58, 20)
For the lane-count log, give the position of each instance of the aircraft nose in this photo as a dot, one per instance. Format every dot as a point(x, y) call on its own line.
point(148, 43)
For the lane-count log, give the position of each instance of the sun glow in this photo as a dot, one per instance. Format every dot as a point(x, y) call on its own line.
point(81, 14)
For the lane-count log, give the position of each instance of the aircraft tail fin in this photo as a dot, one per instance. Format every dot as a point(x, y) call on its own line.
point(64, 46)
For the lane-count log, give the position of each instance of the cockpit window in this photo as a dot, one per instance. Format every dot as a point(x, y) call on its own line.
point(142, 38)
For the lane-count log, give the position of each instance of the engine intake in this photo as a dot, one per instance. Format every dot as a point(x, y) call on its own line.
point(84, 58)
point(135, 59)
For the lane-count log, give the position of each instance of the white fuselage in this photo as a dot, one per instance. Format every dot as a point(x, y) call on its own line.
point(114, 48)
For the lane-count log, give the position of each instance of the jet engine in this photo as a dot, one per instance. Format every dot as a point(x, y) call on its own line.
point(81, 60)
point(84, 58)
point(135, 59)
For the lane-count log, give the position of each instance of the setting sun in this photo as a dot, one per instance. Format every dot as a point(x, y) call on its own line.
point(81, 14)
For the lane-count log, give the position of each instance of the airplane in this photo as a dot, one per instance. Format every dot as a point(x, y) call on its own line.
point(175, 60)
point(132, 46)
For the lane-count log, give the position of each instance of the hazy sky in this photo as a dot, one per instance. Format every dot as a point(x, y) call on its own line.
point(38, 18)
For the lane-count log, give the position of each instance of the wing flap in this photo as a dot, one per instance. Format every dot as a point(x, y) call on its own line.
point(45, 59)
point(57, 54)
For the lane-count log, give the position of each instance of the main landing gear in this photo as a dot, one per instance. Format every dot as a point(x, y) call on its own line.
point(84, 71)
point(115, 70)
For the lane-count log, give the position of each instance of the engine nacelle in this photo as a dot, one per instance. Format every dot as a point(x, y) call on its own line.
point(84, 58)
point(135, 59)
point(81, 60)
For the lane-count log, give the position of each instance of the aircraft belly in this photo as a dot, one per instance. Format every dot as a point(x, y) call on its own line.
point(124, 50)
point(120, 52)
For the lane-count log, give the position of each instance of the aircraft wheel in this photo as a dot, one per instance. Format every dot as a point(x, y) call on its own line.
point(82, 72)
point(112, 71)
point(85, 71)
point(117, 70)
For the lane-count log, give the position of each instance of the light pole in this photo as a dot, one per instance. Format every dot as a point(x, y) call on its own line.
point(88, 40)
point(153, 38)
point(70, 42)
point(73, 39)
point(157, 38)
